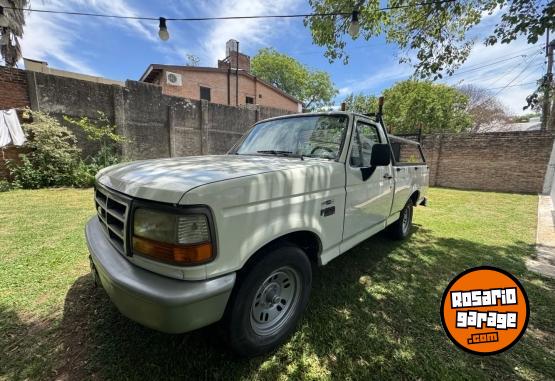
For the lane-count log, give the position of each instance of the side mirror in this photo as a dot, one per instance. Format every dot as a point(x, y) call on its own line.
point(381, 155)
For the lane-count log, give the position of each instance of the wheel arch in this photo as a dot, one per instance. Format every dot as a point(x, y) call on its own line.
point(414, 197)
point(306, 240)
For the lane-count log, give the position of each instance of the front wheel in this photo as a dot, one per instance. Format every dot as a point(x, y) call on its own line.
point(269, 300)
point(401, 228)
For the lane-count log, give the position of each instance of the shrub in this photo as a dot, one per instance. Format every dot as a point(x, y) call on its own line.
point(5, 186)
point(86, 170)
point(101, 131)
point(54, 158)
point(53, 155)
point(83, 176)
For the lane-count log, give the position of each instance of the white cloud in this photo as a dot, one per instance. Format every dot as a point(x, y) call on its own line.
point(505, 65)
point(46, 38)
point(53, 37)
point(145, 29)
point(249, 32)
point(389, 72)
point(56, 38)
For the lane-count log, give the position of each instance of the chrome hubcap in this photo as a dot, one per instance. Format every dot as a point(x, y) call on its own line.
point(275, 301)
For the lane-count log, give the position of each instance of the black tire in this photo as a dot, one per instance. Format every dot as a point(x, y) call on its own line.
point(250, 336)
point(402, 228)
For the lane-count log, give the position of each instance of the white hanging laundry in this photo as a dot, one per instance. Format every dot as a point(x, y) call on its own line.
point(5, 136)
point(10, 129)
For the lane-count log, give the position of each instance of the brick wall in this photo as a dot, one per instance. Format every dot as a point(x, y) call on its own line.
point(160, 125)
point(9, 153)
point(504, 161)
point(13, 88)
point(244, 62)
point(13, 94)
point(217, 81)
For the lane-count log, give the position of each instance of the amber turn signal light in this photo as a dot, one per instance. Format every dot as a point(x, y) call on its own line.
point(171, 253)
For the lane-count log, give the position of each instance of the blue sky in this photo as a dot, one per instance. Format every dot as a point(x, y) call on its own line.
point(122, 49)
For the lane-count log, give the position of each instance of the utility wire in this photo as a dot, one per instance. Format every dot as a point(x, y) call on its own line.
point(508, 83)
point(490, 64)
point(516, 77)
point(224, 17)
point(475, 67)
point(517, 85)
point(496, 78)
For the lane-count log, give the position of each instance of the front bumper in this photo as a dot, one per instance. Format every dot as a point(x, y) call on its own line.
point(165, 304)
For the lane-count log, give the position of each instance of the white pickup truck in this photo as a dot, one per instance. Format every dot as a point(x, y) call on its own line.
point(181, 243)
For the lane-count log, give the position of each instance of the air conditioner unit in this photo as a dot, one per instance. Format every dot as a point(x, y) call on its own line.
point(173, 79)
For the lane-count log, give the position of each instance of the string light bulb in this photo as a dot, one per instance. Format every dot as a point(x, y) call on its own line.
point(354, 28)
point(163, 32)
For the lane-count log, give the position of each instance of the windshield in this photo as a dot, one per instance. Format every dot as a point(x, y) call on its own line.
point(309, 136)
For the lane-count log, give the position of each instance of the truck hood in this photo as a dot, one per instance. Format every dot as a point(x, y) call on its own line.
point(167, 180)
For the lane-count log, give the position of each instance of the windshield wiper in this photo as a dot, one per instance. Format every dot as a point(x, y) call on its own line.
point(280, 153)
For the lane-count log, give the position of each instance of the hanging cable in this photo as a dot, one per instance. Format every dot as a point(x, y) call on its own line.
point(354, 26)
point(475, 67)
point(227, 17)
point(485, 77)
point(508, 83)
point(517, 85)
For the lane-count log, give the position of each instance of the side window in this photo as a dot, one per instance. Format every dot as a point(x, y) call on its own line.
point(205, 93)
point(406, 153)
point(366, 135)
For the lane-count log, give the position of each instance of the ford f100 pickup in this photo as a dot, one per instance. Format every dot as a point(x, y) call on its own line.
point(180, 243)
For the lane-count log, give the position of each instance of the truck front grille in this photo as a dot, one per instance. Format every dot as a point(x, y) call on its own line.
point(112, 210)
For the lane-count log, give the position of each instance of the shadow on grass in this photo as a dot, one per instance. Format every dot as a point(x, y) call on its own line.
point(373, 314)
point(22, 345)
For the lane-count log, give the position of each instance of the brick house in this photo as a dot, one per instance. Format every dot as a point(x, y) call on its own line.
point(227, 84)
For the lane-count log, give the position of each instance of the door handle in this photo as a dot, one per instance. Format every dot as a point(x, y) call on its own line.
point(387, 176)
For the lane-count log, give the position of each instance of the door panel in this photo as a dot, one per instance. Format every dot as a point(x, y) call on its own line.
point(403, 186)
point(410, 168)
point(368, 203)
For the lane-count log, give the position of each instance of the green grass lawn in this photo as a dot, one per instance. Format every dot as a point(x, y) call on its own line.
point(373, 313)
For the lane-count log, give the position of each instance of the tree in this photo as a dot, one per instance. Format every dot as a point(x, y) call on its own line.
point(413, 105)
point(192, 60)
point(437, 31)
point(313, 88)
point(11, 29)
point(361, 103)
point(486, 111)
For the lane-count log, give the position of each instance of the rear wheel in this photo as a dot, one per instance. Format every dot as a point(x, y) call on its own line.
point(401, 228)
point(269, 300)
